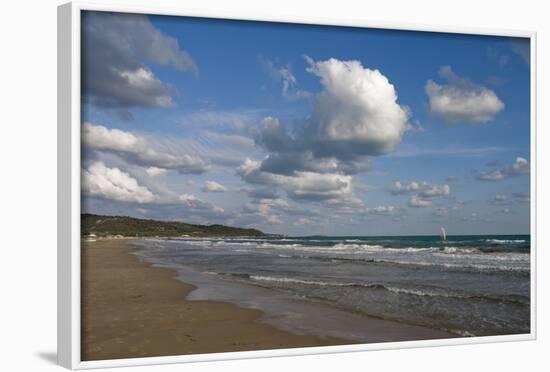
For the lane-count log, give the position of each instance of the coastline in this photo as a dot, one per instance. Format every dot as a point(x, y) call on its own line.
point(131, 309)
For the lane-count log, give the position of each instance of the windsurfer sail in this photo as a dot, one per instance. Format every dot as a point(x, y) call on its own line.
point(443, 234)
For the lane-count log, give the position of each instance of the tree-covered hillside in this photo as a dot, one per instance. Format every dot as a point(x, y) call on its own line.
point(134, 227)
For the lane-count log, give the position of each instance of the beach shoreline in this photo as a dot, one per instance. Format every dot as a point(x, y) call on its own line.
point(131, 309)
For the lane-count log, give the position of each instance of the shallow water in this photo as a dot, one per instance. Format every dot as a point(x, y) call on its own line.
point(468, 285)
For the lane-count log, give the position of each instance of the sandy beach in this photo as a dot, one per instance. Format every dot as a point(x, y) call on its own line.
point(131, 309)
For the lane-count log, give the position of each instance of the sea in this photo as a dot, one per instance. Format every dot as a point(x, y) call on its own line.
point(464, 286)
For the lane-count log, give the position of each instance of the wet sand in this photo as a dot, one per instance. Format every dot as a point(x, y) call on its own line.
point(131, 309)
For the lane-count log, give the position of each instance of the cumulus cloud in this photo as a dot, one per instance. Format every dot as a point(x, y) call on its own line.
point(267, 211)
point(417, 202)
point(288, 154)
point(520, 166)
point(199, 205)
point(300, 185)
point(382, 210)
point(356, 115)
point(181, 207)
point(460, 100)
point(113, 184)
point(430, 191)
point(211, 186)
point(399, 187)
point(421, 192)
point(154, 171)
point(264, 206)
point(115, 50)
point(423, 189)
point(139, 151)
point(273, 136)
point(303, 221)
point(500, 199)
point(357, 111)
point(290, 162)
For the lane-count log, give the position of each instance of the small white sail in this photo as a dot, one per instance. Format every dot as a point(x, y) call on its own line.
point(443, 234)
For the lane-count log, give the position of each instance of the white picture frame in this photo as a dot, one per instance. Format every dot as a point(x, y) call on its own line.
point(69, 191)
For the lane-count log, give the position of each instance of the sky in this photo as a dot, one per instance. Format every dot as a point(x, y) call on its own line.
point(304, 129)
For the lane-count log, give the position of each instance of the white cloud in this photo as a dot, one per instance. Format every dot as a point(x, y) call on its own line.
point(499, 198)
point(423, 189)
point(519, 166)
point(143, 79)
point(188, 198)
point(461, 100)
point(354, 116)
point(273, 136)
point(115, 50)
point(266, 211)
point(114, 184)
point(357, 111)
point(211, 186)
point(300, 185)
point(199, 205)
point(138, 150)
point(275, 203)
point(399, 187)
point(417, 202)
point(102, 138)
point(389, 209)
point(422, 192)
point(304, 221)
point(287, 155)
point(274, 220)
point(154, 171)
point(430, 191)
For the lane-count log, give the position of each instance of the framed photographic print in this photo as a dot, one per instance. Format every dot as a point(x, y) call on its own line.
point(237, 187)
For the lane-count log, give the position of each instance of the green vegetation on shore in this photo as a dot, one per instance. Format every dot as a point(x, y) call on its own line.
point(103, 226)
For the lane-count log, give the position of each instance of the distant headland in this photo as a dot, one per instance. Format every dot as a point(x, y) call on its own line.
point(124, 226)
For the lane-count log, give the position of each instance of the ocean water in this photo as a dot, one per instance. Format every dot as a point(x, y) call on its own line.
point(467, 285)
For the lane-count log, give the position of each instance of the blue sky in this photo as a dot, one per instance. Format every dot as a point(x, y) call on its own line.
point(305, 129)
